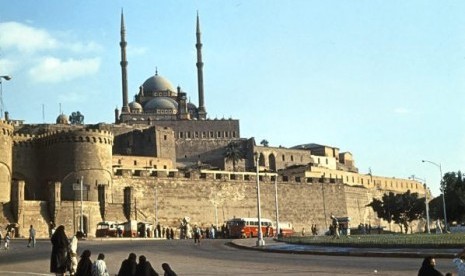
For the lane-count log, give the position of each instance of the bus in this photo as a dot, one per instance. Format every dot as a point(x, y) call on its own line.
point(248, 227)
point(285, 229)
point(108, 229)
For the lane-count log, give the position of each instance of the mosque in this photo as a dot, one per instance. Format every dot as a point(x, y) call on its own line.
point(163, 159)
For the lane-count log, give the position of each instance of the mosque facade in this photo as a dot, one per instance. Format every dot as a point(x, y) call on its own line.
point(163, 159)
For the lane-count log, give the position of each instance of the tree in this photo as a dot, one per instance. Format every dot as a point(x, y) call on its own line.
point(454, 187)
point(400, 208)
point(264, 143)
point(233, 153)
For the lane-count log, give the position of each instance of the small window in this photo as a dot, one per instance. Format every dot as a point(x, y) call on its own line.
point(165, 137)
point(135, 162)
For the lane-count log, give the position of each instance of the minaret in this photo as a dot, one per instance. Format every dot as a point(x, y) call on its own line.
point(198, 45)
point(124, 65)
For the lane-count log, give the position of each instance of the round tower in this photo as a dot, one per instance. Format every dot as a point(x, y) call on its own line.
point(6, 160)
point(78, 154)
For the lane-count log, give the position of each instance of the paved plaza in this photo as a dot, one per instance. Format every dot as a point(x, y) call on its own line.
point(215, 257)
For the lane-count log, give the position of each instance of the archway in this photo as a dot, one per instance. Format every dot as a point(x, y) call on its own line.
point(272, 162)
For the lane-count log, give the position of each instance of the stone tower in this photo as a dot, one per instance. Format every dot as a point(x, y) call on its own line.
point(6, 160)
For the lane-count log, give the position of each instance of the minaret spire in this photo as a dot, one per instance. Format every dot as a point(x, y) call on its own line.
point(124, 65)
point(198, 45)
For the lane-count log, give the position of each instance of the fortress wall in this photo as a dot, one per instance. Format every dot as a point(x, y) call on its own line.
point(34, 213)
point(26, 166)
point(211, 150)
point(6, 160)
point(71, 154)
point(70, 213)
point(299, 203)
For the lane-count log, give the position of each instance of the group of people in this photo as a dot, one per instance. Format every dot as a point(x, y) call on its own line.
point(428, 266)
point(5, 239)
point(64, 258)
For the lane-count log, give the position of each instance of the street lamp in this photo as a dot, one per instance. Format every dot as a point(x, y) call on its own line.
point(5, 77)
point(426, 201)
point(260, 241)
point(443, 190)
point(276, 203)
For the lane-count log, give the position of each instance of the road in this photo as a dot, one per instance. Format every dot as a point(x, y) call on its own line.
point(211, 257)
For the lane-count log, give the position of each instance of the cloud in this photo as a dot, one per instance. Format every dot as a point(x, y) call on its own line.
point(25, 39)
point(401, 110)
point(53, 70)
point(29, 40)
point(136, 51)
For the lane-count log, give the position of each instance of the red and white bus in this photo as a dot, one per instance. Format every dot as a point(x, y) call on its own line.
point(248, 227)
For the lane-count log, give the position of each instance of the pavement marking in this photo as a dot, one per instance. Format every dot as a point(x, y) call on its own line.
point(24, 273)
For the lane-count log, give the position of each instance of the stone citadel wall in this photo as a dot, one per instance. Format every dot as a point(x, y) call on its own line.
point(61, 156)
point(6, 160)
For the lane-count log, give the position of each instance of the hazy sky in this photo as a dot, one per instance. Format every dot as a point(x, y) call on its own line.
point(381, 79)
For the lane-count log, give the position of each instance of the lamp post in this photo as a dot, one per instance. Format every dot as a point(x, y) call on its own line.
point(260, 241)
point(443, 190)
point(276, 203)
point(426, 201)
point(5, 77)
point(82, 210)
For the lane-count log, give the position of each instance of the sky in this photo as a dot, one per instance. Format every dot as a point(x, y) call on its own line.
point(383, 80)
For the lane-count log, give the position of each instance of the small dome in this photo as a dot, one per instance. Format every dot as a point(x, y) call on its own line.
point(135, 106)
point(157, 84)
point(161, 103)
point(191, 106)
point(62, 119)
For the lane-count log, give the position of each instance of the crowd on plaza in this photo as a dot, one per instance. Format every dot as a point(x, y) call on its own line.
point(64, 259)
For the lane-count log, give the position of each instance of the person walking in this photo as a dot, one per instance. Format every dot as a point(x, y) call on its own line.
point(84, 267)
point(99, 268)
point(428, 267)
point(168, 271)
point(60, 244)
point(32, 237)
point(73, 255)
point(128, 266)
point(196, 234)
point(7, 241)
point(459, 262)
point(144, 268)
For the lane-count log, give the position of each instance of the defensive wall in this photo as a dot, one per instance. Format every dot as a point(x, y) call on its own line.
point(6, 159)
point(60, 156)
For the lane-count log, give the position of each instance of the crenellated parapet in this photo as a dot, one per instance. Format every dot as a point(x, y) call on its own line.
point(93, 136)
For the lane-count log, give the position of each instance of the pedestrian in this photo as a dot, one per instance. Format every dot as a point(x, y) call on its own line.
point(73, 255)
point(168, 271)
point(335, 225)
point(144, 268)
point(84, 267)
point(171, 233)
point(32, 237)
point(428, 268)
point(128, 266)
point(196, 234)
point(99, 268)
point(7, 241)
point(1, 237)
point(459, 262)
point(60, 244)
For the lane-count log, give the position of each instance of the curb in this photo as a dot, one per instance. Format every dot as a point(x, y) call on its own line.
point(357, 253)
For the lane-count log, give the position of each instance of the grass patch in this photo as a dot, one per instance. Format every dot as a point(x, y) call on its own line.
point(451, 240)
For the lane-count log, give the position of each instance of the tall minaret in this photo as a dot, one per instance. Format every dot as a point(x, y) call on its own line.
point(198, 45)
point(124, 65)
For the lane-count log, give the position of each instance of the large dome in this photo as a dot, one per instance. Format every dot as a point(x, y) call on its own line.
point(161, 103)
point(157, 84)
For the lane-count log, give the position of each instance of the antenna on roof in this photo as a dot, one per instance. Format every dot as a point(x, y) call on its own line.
point(43, 113)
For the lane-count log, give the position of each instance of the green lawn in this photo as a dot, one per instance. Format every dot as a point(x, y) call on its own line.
point(455, 240)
